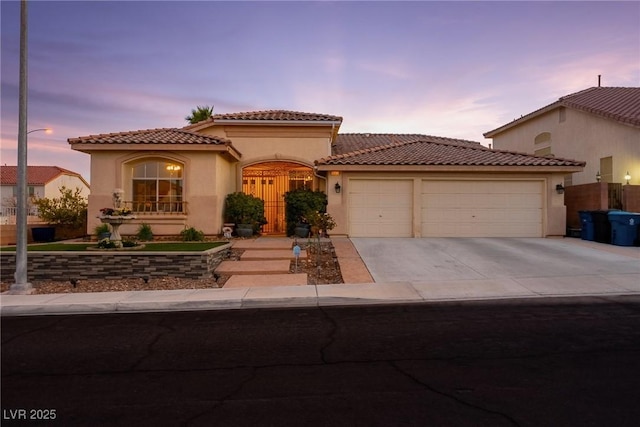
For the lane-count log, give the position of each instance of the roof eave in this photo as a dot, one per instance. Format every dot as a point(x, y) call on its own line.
point(90, 147)
point(516, 122)
point(448, 168)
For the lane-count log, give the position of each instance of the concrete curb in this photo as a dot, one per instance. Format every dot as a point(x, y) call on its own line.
point(289, 296)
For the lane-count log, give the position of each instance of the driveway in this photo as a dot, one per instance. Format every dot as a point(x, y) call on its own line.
point(536, 264)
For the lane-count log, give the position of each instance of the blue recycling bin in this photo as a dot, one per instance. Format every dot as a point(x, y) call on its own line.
point(586, 225)
point(624, 227)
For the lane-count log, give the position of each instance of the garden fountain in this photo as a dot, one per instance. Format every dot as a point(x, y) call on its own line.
point(116, 217)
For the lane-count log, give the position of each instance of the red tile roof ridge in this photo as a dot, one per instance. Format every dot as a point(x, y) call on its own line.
point(417, 135)
point(469, 147)
point(36, 175)
point(271, 112)
point(147, 131)
point(569, 101)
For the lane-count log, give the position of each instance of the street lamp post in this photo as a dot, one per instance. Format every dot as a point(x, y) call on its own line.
point(21, 285)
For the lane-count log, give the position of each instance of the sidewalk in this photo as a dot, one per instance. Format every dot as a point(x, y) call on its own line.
point(358, 289)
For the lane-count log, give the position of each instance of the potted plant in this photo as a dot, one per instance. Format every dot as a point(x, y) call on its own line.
point(297, 204)
point(246, 211)
point(102, 231)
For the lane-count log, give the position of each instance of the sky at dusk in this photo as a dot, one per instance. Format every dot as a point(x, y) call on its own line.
point(452, 69)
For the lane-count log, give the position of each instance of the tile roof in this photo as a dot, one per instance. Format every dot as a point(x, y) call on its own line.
point(151, 136)
point(617, 103)
point(347, 142)
point(427, 152)
point(36, 175)
point(621, 104)
point(269, 116)
point(279, 115)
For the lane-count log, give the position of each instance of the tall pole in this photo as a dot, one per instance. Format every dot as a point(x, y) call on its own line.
point(21, 285)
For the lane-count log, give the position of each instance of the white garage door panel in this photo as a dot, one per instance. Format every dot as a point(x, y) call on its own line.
point(380, 208)
point(481, 208)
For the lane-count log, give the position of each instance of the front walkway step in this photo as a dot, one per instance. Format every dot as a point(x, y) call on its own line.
point(256, 255)
point(264, 243)
point(253, 267)
point(253, 281)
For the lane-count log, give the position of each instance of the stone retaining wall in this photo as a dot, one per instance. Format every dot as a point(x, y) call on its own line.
point(114, 264)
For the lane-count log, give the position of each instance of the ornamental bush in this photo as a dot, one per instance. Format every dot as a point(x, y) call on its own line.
point(69, 209)
point(241, 208)
point(298, 203)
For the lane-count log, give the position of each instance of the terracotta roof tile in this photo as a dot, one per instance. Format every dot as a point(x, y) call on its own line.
point(347, 142)
point(151, 136)
point(267, 116)
point(428, 152)
point(36, 175)
point(621, 104)
point(617, 103)
point(278, 115)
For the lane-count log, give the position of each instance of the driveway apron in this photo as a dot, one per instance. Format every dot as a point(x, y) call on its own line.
point(444, 259)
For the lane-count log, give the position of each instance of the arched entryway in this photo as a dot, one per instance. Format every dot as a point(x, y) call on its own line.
point(269, 181)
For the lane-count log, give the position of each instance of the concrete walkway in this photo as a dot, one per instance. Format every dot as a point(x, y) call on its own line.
point(580, 268)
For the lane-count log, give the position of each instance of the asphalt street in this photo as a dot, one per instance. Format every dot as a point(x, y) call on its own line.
point(542, 362)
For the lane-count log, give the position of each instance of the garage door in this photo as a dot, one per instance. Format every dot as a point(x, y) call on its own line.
point(380, 208)
point(482, 208)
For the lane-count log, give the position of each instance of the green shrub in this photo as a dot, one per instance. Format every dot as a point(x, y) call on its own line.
point(68, 209)
point(106, 244)
point(102, 228)
point(129, 243)
point(192, 235)
point(144, 233)
point(298, 203)
point(241, 208)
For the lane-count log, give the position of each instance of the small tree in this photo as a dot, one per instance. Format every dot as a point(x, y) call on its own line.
point(70, 209)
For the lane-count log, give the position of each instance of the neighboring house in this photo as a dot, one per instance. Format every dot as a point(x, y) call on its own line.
point(42, 181)
point(600, 125)
point(378, 185)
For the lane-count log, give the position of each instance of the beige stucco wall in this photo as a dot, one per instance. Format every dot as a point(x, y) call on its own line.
point(207, 176)
point(52, 188)
point(582, 136)
point(264, 143)
point(554, 210)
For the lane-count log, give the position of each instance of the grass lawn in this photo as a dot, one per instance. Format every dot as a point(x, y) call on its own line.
point(148, 247)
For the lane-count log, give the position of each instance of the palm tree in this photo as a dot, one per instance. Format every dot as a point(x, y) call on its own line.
point(199, 114)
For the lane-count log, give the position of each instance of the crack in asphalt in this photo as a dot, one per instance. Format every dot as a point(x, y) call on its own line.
point(451, 396)
point(331, 334)
point(31, 331)
point(219, 403)
point(149, 349)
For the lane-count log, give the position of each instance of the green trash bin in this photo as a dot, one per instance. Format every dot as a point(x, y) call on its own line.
point(624, 228)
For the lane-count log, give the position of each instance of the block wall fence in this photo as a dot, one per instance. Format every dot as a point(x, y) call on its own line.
point(93, 265)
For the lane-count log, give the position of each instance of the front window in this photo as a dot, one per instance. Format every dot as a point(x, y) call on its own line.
point(157, 187)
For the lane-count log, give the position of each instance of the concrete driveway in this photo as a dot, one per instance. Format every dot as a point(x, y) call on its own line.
point(502, 266)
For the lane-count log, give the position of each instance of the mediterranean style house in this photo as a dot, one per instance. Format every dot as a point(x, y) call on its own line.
point(42, 181)
point(378, 185)
point(600, 125)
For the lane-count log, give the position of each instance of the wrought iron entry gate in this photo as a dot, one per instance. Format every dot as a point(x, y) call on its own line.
point(270, 181)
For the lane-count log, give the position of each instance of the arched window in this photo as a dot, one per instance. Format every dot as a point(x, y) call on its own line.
point(542, 144)
point(157, 186)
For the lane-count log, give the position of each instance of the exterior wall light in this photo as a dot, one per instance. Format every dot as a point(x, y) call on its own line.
point(598, 176)
point(337, 187)
point(627, 177)
point(560, 189)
